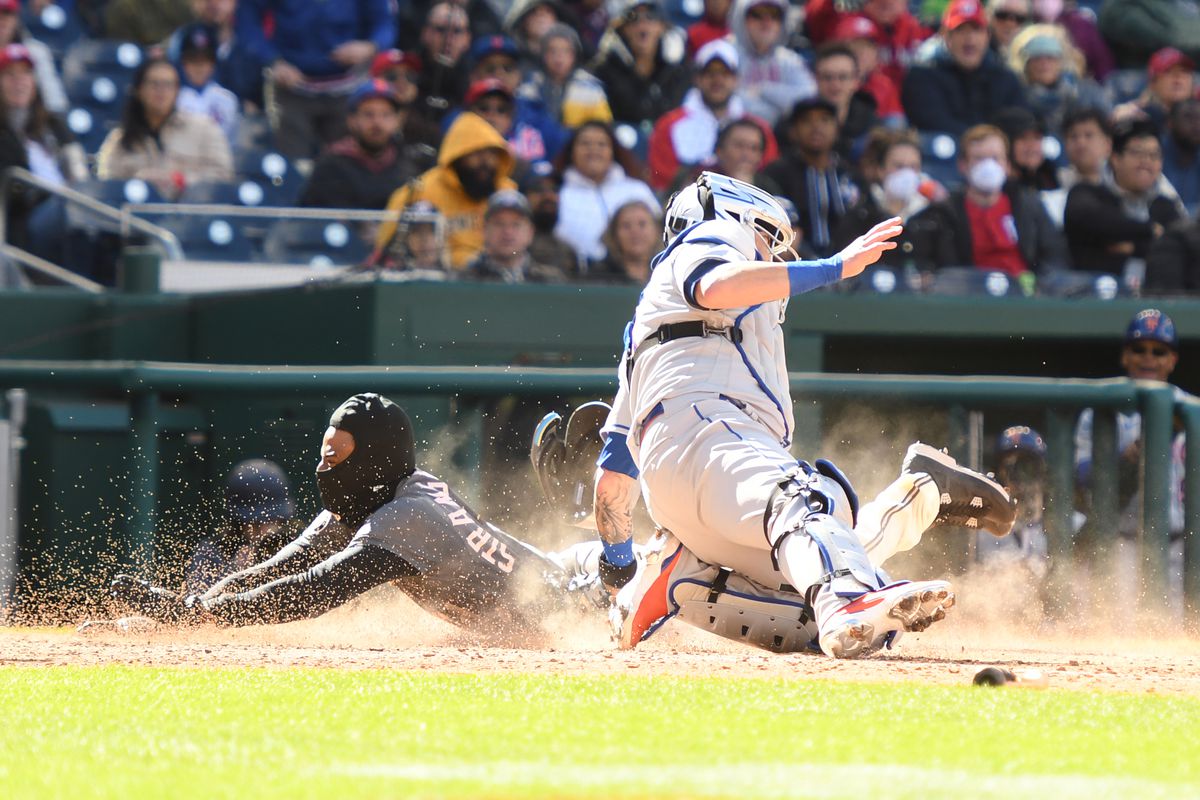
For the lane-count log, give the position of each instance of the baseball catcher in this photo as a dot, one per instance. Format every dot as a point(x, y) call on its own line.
point(703, 419)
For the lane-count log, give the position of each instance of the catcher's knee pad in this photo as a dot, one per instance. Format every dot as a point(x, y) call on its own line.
point(822, 507)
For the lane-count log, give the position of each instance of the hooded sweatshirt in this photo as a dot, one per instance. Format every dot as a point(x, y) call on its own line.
point(440, 186)
point(772, 82)
point(638, 100)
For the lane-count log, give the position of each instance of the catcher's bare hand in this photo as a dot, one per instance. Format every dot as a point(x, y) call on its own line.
point(870, 247)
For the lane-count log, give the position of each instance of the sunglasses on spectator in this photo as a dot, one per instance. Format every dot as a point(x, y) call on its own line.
point(394, 75)
point(493, 108)
point(457, 30)
point(1140, 349)
point(1010, 16)
point(492, 67)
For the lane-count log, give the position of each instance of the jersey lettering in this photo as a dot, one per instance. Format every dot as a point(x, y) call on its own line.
point(479, 539)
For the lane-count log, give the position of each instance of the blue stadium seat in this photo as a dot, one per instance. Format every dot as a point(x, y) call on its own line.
point(279, 180)
point(55, 27)
point(939, 159)
point(320, 243)
point(974, 282)
point(210, 238)
point(881, 279)
point(96, 57)
point(235, 193)
point(684, 12)
point(117, 192)
point(90, 128)
point(102, 93)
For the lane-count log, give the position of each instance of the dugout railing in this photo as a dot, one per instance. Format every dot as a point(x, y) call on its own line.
point(145, 384)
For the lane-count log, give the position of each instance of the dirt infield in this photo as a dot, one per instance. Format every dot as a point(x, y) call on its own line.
point(383, 630)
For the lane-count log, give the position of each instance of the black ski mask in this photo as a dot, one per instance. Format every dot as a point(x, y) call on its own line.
point(383, 456)
point(478, 183)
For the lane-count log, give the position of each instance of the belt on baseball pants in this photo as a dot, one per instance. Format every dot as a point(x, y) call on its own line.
point(680, 330)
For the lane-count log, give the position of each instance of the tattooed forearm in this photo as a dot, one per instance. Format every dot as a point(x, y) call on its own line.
point(616, 497)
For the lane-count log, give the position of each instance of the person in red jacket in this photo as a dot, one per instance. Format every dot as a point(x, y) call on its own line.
point(688, 134)
point(899, 32)
point(713, 25)
point(861, 35)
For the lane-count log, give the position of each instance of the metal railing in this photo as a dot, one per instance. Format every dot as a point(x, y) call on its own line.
point(17, 175)
point(147, 381)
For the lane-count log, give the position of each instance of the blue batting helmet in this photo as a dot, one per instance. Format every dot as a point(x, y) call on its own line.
point(1021, 438)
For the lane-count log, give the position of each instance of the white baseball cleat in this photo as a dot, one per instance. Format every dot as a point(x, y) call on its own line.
point(865, 624)
point(968, 499)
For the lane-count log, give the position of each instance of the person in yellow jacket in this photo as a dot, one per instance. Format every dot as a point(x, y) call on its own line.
point(473, 162)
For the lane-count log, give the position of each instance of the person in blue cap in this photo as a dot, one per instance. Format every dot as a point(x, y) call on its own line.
point(1021, 469)
point(258, 504)
point(1150, 352)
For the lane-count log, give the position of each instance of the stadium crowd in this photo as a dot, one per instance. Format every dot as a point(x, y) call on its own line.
point(1029, 145)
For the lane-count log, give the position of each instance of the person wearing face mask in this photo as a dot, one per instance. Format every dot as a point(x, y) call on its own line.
point(1020, 455)
point(994, 224)
point(384, 520)
point(896, 187)
point(474, 162)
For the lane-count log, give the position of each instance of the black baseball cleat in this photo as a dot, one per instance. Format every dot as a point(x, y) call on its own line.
point(968, 499)
point(159, 604)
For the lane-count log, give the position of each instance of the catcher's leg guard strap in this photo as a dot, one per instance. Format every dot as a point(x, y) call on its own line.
point(735, 607)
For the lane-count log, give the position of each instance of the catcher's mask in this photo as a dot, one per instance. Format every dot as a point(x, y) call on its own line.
point(565, 460)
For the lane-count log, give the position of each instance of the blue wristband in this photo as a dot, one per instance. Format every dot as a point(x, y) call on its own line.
point(619, 555)
point(804, 276)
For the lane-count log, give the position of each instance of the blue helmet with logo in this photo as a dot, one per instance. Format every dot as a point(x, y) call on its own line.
point(1021, 438)
point(1154, 326)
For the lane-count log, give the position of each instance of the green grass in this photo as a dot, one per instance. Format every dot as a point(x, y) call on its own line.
point(137, 732)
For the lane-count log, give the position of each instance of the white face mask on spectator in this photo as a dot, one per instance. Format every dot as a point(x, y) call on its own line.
point(902, 184)
point(987, 176)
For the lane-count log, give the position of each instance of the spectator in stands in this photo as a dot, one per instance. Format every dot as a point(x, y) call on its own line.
point(1026, 150)
point(965, 85)
point(641, 64)
point(1181, 152)
point(1150, 353)
point(599, 176)
point(898, 33)
point(527, 21)
point(445, 40)
point(160, 144)
point(258, 506)
point(1081, 27)
point(772, 76)
point(592, 22)
point(33, 138)
point(896, 187)
point(861, 35)
point(739, 153)
point(317, 54)
point(687, 136)
point(713, 24)
point(994, 223)
point(1087, 141)
point(362, 169)
point(633, 238)
point(238, 69)
point(419, 135)
point(1020, 454)
point(1006, 18)
point(507, 235)
point(810, 174)
point(199, 92)
point(1111, 225)
point(492, 100)
point(570, 94)
point(145, 22)
point(535, 135)
point(1135, 29)
point(1050, 68)
point(50, 86)
point(419, 242)
point(474, 162)
point(839, 81)
point(541, 185)
point(1172, 79)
